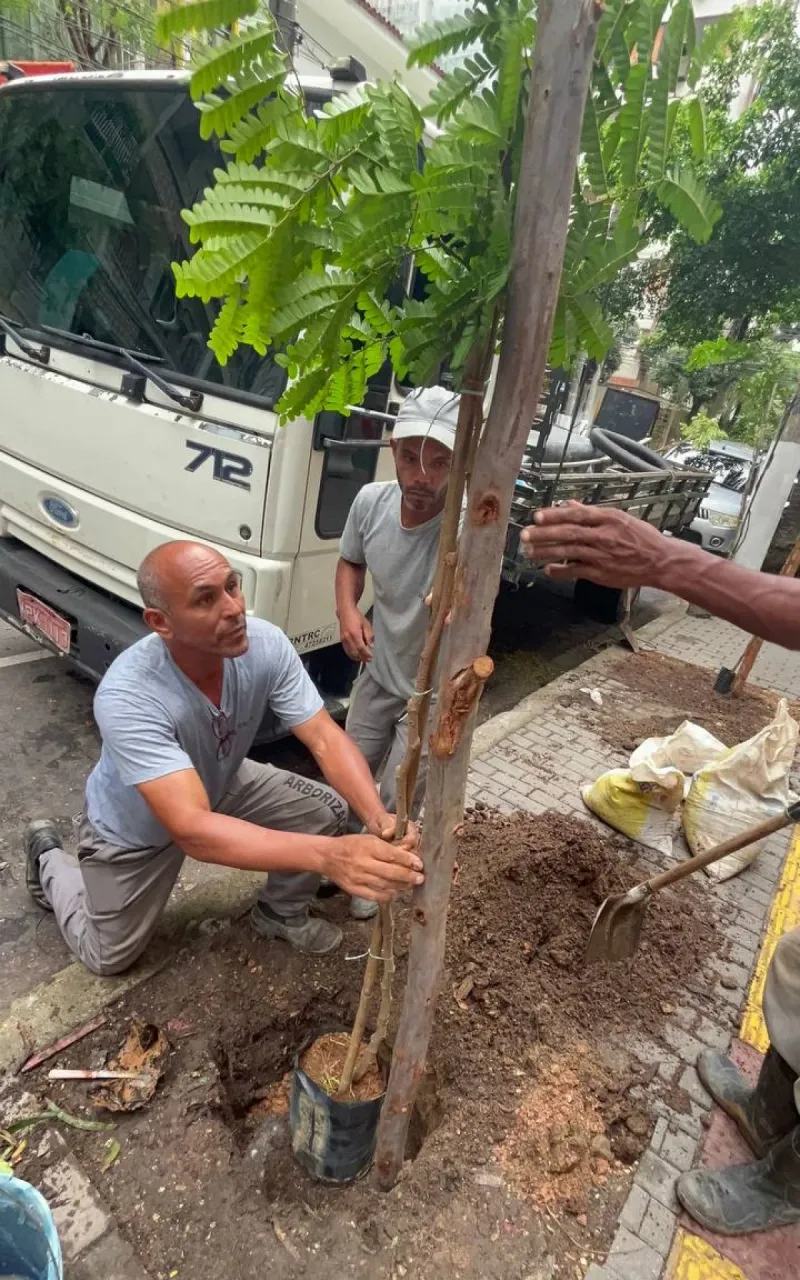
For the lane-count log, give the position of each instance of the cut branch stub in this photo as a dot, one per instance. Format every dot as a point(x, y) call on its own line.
point(456, 700)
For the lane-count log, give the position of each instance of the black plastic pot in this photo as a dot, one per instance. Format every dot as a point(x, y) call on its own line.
point(334, 1141)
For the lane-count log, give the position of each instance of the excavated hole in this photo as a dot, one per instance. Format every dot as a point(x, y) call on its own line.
point(253, 1094)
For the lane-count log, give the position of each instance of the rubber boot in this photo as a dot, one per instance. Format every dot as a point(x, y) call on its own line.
point(763, 1114)
point(748, 1197)
point(40, 837)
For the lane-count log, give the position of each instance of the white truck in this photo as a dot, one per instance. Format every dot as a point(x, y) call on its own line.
point(118, 429)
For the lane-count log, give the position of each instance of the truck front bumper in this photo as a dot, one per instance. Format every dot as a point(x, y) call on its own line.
point(101, 626)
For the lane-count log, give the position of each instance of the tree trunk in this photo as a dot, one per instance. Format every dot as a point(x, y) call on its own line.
point(561, 70)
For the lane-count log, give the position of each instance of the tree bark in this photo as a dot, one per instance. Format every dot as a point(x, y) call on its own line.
point(561, 71)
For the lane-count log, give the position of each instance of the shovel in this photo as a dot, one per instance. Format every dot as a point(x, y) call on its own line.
point(618, 923)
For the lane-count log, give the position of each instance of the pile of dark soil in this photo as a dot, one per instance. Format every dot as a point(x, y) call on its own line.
point(685, 692)
point(528, 1079)
point(520, 998)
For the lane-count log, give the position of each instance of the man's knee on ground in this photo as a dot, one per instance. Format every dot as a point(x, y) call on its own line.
point(110, 966)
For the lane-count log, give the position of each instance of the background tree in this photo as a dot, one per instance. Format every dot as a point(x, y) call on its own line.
point(747, 274)
point(308, 237)
point(94, 33)
point(743, 386)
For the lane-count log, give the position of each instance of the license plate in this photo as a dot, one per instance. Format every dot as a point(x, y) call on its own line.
point(40, 617)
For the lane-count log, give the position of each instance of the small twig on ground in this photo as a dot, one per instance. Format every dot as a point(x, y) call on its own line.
point(64, 1043)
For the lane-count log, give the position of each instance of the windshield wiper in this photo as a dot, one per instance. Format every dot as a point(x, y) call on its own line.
point(192, 400)
point(40, 354)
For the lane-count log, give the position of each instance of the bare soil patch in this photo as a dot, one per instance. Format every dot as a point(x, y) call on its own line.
point(685, 692)
point(527, 1125)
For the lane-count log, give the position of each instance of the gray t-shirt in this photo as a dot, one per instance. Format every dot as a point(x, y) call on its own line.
point(402, 563)
point(154, 721)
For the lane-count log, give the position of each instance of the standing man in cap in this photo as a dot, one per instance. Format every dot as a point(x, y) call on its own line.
point(393, 530)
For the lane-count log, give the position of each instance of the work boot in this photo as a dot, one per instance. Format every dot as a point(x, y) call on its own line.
point(40, 836)
point(363, 908)
point(360, 908)
point(763, 1114)
point(748, 1197)
point(303, 931)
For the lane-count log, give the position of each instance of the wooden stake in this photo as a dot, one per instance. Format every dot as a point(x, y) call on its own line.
point(562, 66)
point(470, 420)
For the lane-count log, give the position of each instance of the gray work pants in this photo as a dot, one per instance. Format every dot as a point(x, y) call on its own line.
point(782, 1002)
point(377, 721)
point(110, 901)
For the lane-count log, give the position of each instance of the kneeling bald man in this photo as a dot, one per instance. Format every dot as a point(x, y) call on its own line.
point(178, 713)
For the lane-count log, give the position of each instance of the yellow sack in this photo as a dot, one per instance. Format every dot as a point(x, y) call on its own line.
point(640, 806)
point(749, 784)
point(643, 800)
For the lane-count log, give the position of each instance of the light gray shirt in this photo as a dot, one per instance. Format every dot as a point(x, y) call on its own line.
point(154, 721)
point(402, 563)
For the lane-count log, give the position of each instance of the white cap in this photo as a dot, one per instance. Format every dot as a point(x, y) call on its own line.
point(430, 412)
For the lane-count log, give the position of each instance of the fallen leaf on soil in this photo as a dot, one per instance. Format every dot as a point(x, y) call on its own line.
point(143, 1052)
point(64, 1043)
point(54, 1113)
point(180, 1029)
point(112, 1154)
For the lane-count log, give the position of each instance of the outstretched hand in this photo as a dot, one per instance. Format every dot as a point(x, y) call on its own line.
point(605, 545)
point(368, 867)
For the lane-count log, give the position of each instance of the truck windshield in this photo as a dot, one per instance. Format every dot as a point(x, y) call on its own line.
point(93, 177)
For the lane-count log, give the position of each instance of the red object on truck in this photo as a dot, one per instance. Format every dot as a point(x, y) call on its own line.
point(15, 70)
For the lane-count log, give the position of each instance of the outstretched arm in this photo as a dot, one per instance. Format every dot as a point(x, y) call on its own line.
point(615, 549)
point(363, 865)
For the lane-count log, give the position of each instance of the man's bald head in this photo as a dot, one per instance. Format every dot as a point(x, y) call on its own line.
point(192, 597)
point(172, 565)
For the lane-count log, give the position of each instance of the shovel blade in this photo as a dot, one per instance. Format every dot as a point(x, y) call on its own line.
point(618, 926)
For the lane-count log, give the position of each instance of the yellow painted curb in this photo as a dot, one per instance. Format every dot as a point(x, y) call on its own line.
point(695, 1259)
point(784, 915)
point(691, 1257)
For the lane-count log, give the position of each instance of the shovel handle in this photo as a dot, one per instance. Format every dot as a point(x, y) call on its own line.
point(700, 860)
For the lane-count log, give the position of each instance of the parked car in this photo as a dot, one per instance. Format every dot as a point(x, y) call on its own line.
point(734, 467)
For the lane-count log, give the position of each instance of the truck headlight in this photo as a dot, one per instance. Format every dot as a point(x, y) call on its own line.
point(724, 522)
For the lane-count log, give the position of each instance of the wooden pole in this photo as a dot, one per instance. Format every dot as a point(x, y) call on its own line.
point(562, 67)
point(381, 947)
